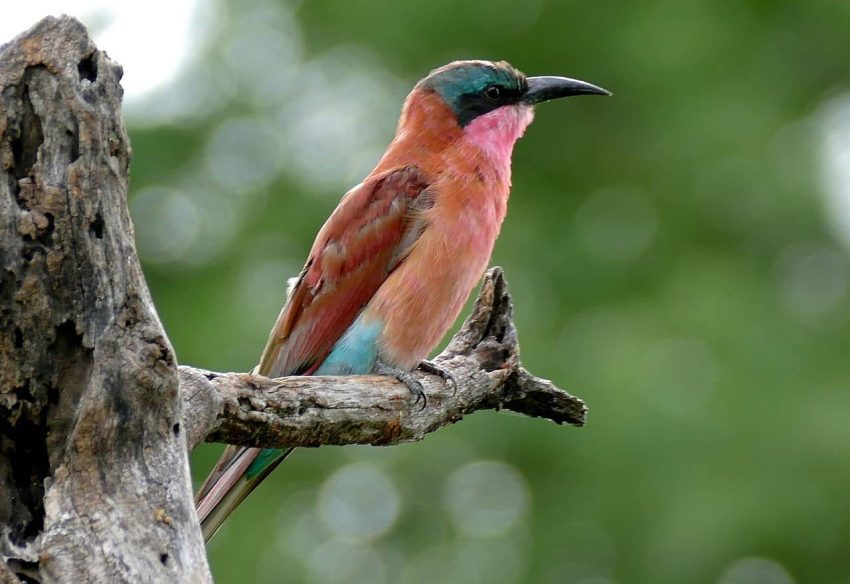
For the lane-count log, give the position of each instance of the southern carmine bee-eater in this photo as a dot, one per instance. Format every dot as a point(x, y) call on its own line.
point(395, 262)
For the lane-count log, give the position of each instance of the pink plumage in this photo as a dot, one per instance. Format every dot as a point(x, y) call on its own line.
point(395, 262)
point(472, 176)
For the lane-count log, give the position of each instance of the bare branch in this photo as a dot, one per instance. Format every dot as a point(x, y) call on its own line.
point(248, 410)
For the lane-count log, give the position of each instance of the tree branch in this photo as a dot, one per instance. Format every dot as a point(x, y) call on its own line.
point(248, 410)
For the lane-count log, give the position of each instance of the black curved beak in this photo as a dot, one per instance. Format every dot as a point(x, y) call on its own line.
point(547, 88)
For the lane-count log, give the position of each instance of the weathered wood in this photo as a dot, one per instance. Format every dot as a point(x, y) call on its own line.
point(93, 474)
point(238, 408)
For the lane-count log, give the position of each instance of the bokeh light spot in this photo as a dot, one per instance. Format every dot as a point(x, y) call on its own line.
point(168, 223)
point(188, 226)
point(755, 570)
point(466, 560)
point(346, 562)
point(243, 154)
point(338, 123)
point(813, 284)
point(359, 502)
point(486, 498)
point(264, 52)
point(835, 156)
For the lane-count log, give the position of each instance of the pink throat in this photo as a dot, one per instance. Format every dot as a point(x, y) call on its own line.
point(496, 132)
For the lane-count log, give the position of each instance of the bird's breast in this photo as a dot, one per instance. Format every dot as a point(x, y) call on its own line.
point(422, 298)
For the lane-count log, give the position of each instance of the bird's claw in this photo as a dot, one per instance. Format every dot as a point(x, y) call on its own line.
point(447, 376)
point(407, 378)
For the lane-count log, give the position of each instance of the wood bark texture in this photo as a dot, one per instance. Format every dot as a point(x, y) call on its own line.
point(94, 472)
point(96, 418)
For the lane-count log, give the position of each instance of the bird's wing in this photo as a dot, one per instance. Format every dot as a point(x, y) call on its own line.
point(367, 236)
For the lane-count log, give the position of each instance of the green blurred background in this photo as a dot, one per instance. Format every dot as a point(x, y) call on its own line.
point(678, 257)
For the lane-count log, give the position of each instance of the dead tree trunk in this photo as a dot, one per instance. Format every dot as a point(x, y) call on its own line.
point(93, 464)
point(96, 418)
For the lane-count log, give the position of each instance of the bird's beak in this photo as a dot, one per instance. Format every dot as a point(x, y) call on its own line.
point(542, 89)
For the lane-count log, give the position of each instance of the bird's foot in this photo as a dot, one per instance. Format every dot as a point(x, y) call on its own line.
point(407, 378)
point(434, 369)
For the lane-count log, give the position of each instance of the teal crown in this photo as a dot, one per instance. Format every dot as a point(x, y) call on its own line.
point(473, 88)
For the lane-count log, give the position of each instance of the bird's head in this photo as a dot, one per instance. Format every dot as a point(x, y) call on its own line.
point(491, 103)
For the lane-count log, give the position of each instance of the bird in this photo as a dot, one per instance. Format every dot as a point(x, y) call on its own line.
point(393, 265)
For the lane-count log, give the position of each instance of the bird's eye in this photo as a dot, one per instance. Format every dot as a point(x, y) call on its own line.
point(493, 92)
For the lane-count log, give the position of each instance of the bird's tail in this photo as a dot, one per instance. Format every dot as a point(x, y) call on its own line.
point(238, 472)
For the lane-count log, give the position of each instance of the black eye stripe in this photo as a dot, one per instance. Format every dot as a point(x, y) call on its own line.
point(470, 101)
point(471, 105)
